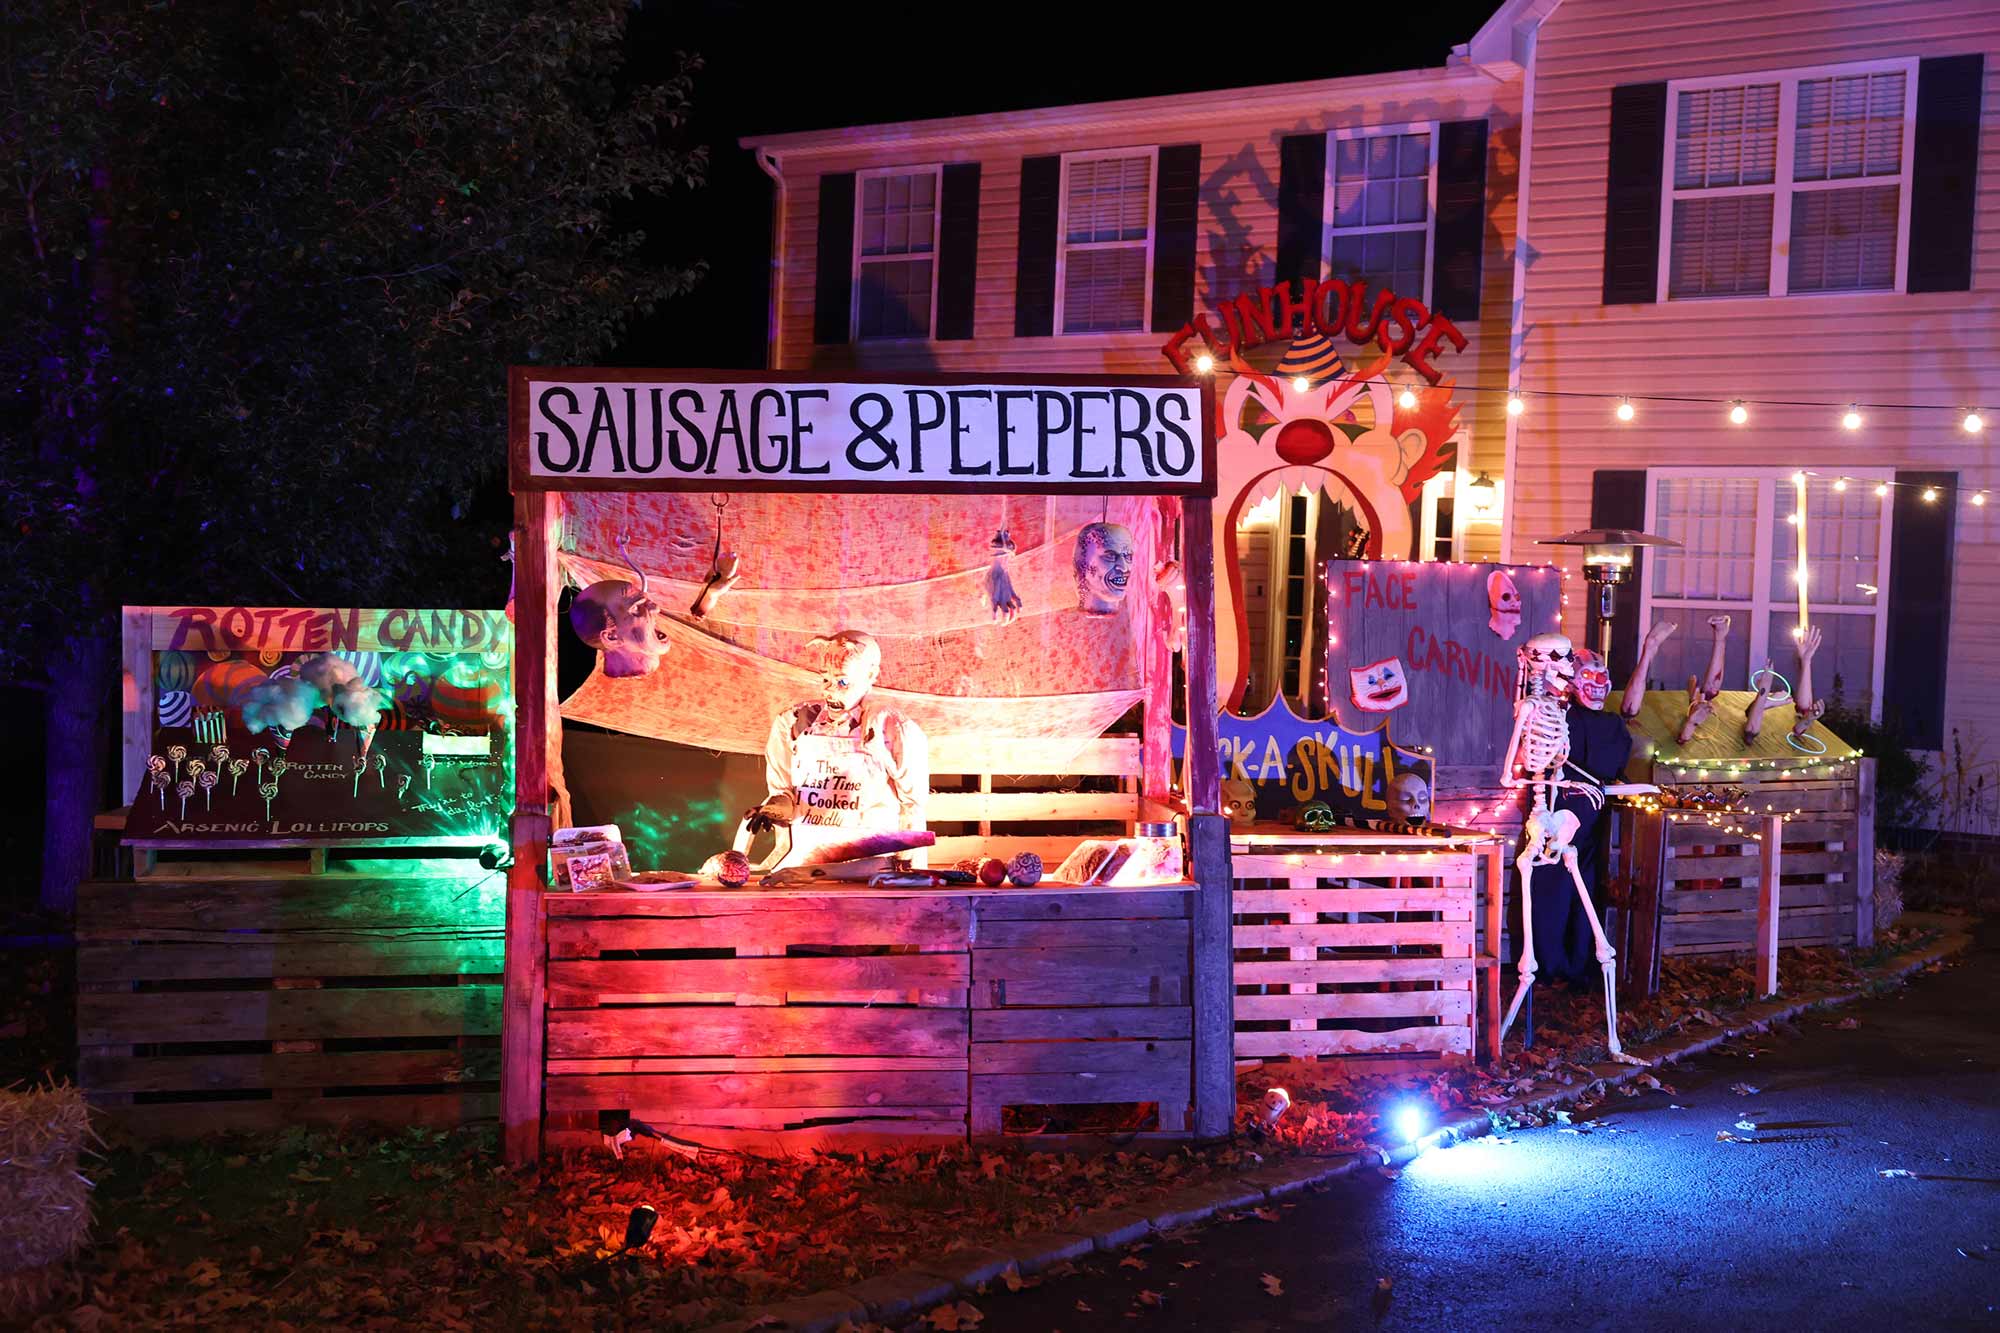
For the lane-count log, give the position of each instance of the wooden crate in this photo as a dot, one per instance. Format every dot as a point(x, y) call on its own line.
point(1357, 951)
point(1081, 998)
point(774, 1021)
point(262, 1000)
point(1091, 791)
point(1707, 881)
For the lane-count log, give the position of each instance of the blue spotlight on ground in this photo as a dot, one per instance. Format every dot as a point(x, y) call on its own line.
point(1411, 1120)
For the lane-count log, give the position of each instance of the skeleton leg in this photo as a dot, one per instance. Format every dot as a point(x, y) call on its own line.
point(1607, 958)
point(1524, 866)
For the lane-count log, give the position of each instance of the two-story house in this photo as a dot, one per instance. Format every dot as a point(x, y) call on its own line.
point(1692, 252)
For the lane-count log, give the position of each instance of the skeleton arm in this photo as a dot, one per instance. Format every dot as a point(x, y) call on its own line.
point(1635, 688)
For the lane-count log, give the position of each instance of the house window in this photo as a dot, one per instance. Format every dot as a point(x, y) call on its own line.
point(1381, 195)
point(1739, 557)
point(895, 253)
point(1104, 282)
point(1788, 183)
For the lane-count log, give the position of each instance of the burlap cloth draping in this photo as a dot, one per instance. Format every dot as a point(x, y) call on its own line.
point(907, 569)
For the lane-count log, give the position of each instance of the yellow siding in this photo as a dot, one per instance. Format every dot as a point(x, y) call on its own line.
point(1236, 249)
point(1931, 348)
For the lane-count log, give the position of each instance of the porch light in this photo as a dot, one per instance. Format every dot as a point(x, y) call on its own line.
point(1607, 564)
point(1484, 495)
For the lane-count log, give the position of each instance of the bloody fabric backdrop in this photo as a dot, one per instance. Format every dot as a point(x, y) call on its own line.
point(908, 569)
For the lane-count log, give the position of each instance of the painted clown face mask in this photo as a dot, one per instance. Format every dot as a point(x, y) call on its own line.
point(1503, 601)
point(1379, 687)
point(1593, 679)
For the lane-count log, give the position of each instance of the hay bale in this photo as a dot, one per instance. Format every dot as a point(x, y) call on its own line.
point(44, 1198)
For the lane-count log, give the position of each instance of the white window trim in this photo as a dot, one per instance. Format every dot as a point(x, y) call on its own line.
point(936, 172)
point(1783, 187)
point(1760, 606)
point(1063, 245)
point(1327, 229)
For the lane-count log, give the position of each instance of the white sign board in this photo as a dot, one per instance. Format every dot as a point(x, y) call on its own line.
point(591, 429)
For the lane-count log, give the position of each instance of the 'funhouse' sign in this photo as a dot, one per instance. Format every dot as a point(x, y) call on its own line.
point(1055, 434)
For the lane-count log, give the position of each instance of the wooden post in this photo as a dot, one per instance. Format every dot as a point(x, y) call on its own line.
point(535, 733)
point(137, 696)
point(1214, 980)
point(1864, 855)
point(1493, 868)
point(1643, 853)
point(1770, 865)
point(1204, 764)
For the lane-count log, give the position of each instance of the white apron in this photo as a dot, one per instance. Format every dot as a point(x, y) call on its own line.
point(843, 790)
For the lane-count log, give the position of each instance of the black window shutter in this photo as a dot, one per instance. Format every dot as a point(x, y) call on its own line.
point(1301, 205)
point(833, 262)
point(1632, 193)
point(1035, 263)
point(1175, 235)
point(958, 250)
point(1618, 500)
point(1460, 237)
point(1920, 553)
point(1944, 173)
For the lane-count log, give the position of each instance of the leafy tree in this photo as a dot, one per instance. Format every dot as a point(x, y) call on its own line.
point(264, 268)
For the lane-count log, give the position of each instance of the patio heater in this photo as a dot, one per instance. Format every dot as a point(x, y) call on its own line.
point(1607, 565)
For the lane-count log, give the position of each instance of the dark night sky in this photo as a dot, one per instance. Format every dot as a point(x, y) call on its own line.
point(773, 67)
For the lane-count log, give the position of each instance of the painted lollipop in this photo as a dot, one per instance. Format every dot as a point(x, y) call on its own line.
point(218, 757)
point(429, 762)
point(278, 768)
point(196, 768)
point(269, 791)
point(160, 781)
point(155, 764)
point(184, 789)
point(360, 771)
point(382, 771)
point(263, 757)
point(207, 783)
point(176, 753)
point(237, 768)
point(402, 787)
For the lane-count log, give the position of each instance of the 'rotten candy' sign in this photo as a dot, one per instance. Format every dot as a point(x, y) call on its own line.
point(708, 430)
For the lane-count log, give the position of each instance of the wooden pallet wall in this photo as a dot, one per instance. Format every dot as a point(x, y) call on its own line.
point(257, 1002)
point(997, 814)
point(1357, 954)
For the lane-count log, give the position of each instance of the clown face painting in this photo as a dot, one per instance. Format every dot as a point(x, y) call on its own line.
point(1103, 566)
point(1503, 601)
point(1379, 687)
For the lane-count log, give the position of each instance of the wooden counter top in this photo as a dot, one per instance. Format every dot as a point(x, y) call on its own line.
point(584, 902)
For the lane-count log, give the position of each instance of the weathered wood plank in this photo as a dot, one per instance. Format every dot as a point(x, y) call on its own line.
point(1082, 986)
point(938, 925)
point(1738, 930)
point(1127, 1021)
point(1277, 972)
point(1168, 959)
point(1100, 905)
point(332, 1069)
point(1455, 899)
point(730, 1030)
point(1084, 1088)
point(1833, 892)
point(334, 901)
point(587, 983)
point(1453, 936)
point(1107, 756)
point(290, 955)
point(181, 1120)
point(787, 1092)
point(1453, 1004)
point(1696, 833)
point(1454, 1039)
point(1167, 937)
point(1445, 867)
point(1165, 1058)
point(105, 1018)
point(769, 1064)
point(1747, 866)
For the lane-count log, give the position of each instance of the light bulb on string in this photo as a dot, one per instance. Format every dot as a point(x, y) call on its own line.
point(1204, 363)
point(1851, 419)
point(1840, 483)
point(1300, 384)
point(1930, 494)
point(1881, 489)
point(1625, 411)
point(1738, 413)
point(1979, 497)
point(1516, 405)
point(1407, 399)
point(1973, 423)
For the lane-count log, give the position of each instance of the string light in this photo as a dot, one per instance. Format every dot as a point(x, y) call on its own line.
point(1973, 423)
point(1407, 399)
point(1516, 405)
point(1851, 419)
point(1625, 410)
point(1881, 489)
point(1204, 363)
point(1840, 483)
point(1979, 497)
point(1738, 413)
point(1930, 494)
point(1300, 384)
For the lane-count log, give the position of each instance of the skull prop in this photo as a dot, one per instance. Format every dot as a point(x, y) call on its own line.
point(620, 620)
point(1239, 800)
point(1593, 679)
point(849, 661)
point(1503, 599)
point(1103, 564)
point(1315, 817)
point(1410, 798)
point(1379, 687)
point(1271, 1107)
point(1548, 666)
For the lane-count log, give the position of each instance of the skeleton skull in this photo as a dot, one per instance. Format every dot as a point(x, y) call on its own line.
point(1410, 798)
point(1315, 817)
point(1593, 679)
point(1503, 600)
point(620, 619)
point(1548, 664)
point(1272, 1106)
point(1379, 687)
point(1103, 565)
point(1239, 800)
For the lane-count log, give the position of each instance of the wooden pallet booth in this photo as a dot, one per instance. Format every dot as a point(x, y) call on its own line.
point(1692, 877)
point(313, 944)
point(844, 1013)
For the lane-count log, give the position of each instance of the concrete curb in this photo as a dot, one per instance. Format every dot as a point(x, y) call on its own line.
point(913, 1290)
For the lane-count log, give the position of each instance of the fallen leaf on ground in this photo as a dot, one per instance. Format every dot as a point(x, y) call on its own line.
point(1749, 1126)
point(1897, 1173)
point(1132, 1261)
point(1264, 1214)
point(1084, 1307)
point(1149, 1297)
point(1745, 1089)
point(1848, 1024)
point(1724, 1136)
point(951, 1318)
point(1272, 1285)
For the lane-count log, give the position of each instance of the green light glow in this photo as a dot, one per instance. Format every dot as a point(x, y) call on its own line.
point(683, 837)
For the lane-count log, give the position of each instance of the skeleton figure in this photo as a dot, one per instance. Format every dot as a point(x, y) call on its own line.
point(1103, 566)
point(1537, 758)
